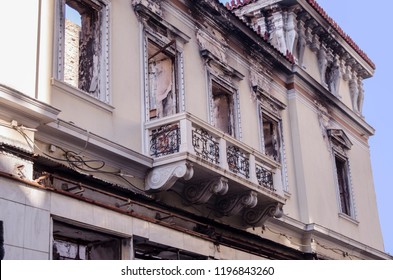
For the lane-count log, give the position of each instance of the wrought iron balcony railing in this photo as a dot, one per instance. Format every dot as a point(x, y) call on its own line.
point(185, 134)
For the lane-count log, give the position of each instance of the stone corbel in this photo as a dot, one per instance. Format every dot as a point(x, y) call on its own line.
point(354, 90)
point(309, 36)
point(232, 204)
point(335, 77)
point(199, 194)
point(361, 96)
point(301, 43)
point(258, 216)
point(316, 44)
point(291, 36)
point(348, 71)
point(322, 63)
point(343, 69)
point(277, 35)
point(162, 178)
point(260, 25)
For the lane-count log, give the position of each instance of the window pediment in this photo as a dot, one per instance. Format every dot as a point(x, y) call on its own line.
point(214, 52)
point(339, 138)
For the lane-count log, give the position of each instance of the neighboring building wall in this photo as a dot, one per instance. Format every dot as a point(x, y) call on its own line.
point(71, 72)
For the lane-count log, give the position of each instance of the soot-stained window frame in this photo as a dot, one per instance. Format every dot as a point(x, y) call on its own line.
point(93, 53)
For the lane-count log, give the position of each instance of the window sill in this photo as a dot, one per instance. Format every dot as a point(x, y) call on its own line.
point(348, 218)
point(81, 94)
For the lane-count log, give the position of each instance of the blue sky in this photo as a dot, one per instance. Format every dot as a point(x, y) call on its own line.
point(369, 25)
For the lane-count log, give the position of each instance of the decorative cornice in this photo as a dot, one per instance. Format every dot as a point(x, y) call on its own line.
point(233, 5)
point(25, 109)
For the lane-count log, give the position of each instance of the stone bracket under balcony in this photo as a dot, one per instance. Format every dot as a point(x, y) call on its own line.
point(231, 205)
point(257, 216)
point(162, 178)
point(202, 192)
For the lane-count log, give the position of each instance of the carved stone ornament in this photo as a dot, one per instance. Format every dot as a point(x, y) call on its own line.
point(151, 5)
point(301, 43)
point(322, 64)
point(339, 139)
point(259, 216)
point(210, 46)
point(201, 193)
point(232, 204)
point(259, 82)
point(325, 121)
point(163, 177)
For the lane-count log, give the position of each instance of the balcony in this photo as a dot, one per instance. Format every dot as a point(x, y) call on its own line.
point(213, 168)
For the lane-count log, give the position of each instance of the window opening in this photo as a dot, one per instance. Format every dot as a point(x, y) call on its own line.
point(82, 64)
point(222, 115)
point(148, 250)
point(271, 138)
point(343, 185)
point(162, 81)
point(75, 243)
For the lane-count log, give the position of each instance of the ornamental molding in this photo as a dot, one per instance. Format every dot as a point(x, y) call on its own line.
point(217, 49)
point(201, 193)
point(232, 204)
point(214, 53)
point(259, 81)
point(153, 6)
point(162, 178)
point(259, 215)
point(339, 139)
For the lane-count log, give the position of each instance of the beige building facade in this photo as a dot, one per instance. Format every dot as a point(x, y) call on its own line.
point(146, 129)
